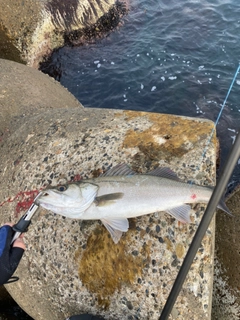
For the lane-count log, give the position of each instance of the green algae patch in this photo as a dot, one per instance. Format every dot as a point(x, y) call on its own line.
point(105, 267)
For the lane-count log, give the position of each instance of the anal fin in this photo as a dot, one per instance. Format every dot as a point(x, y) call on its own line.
point(181, 213)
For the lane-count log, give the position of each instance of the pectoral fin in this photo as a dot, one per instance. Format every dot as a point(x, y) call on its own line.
point(107, 199)
point(116, 226)
point(181, 213)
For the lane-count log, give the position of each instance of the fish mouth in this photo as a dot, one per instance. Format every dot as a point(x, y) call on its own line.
point(39, 199)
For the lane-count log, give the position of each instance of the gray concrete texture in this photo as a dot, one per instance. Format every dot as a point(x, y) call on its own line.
point(72, 266)
point(36, 27)
point(226, 293)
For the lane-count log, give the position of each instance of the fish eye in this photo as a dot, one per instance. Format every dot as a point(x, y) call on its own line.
point(61, 188)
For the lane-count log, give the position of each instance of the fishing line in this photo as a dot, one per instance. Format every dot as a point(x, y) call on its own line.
point(218, 118)
point(207, 216)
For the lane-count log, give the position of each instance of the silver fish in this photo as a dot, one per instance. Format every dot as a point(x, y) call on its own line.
point(120, 193)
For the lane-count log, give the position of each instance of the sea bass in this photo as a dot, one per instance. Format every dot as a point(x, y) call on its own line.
point(120, 193)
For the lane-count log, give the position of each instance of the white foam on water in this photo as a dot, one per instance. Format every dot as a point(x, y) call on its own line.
point(233, 139)
point(172, 78)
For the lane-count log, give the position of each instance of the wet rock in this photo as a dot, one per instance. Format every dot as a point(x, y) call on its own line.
point(37, 27)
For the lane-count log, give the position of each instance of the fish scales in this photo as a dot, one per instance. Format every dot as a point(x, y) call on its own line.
point(144, 194)
point(121, 194)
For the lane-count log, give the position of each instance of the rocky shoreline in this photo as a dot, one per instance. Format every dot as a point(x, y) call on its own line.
point(37, 27)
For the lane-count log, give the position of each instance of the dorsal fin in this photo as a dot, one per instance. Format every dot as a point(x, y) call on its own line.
point(164, 173)
point(118, 170)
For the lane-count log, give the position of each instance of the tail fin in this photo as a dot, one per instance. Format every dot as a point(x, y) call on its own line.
point(223, 206)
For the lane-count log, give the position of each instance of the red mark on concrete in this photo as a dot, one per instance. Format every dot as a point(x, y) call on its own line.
point(76, 178)
point(193, 196)
point(25, 200)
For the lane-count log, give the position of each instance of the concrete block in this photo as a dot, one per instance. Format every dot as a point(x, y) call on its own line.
point(73, 266)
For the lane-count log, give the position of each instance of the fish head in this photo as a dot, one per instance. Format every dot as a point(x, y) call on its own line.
point(70, 200)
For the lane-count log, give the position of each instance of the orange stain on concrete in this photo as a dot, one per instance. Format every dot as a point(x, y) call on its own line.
point(168, 136)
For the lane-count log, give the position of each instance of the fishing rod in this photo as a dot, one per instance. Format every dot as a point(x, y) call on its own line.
point(206, 219)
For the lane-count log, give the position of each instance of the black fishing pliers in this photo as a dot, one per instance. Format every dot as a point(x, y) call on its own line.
point(22, 225)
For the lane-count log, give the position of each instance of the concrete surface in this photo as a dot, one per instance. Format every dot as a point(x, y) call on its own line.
point(36, 27)
point(72, 266)
point(226, 293)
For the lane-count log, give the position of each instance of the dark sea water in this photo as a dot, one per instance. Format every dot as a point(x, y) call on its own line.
point(168, 56)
